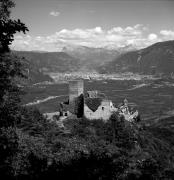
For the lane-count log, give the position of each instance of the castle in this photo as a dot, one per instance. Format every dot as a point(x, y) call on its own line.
point(92, 104)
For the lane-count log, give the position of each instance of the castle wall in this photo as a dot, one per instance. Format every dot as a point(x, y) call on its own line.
point(103, 112)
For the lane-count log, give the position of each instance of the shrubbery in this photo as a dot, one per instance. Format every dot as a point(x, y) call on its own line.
point(92, 150)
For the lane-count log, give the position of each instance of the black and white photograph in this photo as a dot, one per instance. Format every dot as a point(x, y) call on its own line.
point(87, 89)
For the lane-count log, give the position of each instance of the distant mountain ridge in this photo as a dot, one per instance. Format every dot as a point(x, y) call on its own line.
point(92, 54)
point(92, 57)
point(31, 71)
point(51, 61)
point(155, 59)
point(70, 59)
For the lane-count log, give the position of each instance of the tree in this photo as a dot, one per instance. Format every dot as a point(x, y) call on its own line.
point(10, 68)
point(8, 27)
point(10, 65)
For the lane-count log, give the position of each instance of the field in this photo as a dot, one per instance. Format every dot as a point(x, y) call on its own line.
point(153, 98)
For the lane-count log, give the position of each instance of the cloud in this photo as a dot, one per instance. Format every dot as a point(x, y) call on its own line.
point(137, 35)
point(99, 36)
point(54, 13)
point(138, 29)
point(167, 34)
point(152, 37)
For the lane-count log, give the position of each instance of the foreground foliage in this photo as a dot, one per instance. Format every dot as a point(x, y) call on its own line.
point(89, 150)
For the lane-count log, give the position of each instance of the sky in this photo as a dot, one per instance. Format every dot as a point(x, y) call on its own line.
point(95, 23)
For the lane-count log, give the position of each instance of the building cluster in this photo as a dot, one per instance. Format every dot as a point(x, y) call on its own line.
point(91, 105)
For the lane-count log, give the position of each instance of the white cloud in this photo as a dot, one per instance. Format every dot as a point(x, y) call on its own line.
point(138, 29)
point(95, 37)
point(152, 37)
point(54, 13)
point(167, 34)
point(98, 30)
point(98, 35)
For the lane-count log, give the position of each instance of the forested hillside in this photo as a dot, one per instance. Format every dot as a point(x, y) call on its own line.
point(50, 61)
point(155, 59)
point(30, 70)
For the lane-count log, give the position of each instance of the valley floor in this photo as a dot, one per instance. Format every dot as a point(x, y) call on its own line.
point(153, 98)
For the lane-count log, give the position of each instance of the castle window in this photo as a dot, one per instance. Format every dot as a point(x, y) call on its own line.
point(103, 108)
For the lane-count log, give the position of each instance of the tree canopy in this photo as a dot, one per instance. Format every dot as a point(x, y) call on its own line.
point(8, 26)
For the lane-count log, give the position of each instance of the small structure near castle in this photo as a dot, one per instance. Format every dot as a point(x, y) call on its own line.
point(92, 105)
point(124, 111)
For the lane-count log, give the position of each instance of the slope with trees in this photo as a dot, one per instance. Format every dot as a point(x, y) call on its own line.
point(155, 59)
point(51, 61)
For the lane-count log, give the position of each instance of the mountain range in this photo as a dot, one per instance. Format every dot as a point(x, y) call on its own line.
point(91, 57)
point(155, 59)
point(72, 58)
point(51, 61)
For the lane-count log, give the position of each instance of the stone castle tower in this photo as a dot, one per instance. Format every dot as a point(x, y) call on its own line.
point(76, 88)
